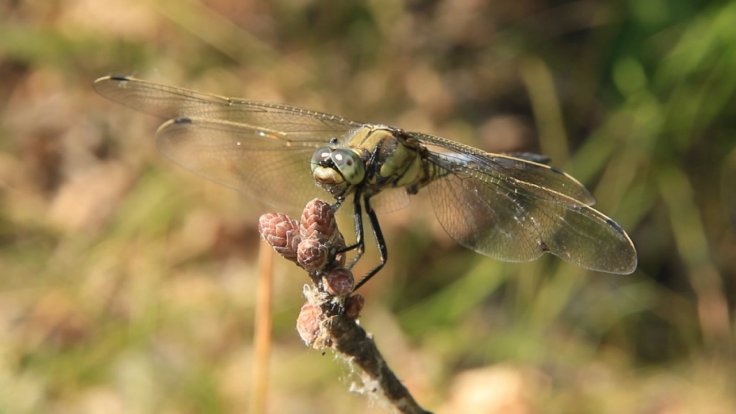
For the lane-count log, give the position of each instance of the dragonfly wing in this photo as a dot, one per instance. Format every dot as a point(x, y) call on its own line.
point(530, 156)
point(526, 167)
point(484, 204)
point(259, 163)
point(390, 200)
point(170, 102)
point(260, 149)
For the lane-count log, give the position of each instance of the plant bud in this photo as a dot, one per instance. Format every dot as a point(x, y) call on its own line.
point(338, 282)
point(281, 232)
point(312, 254)
point(318, 221)
point(308, 323)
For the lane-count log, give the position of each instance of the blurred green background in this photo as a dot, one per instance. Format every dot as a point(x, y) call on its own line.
point(127, 285)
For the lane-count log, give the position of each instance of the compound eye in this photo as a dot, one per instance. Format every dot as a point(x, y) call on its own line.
point(320, 157)
point(349, 164)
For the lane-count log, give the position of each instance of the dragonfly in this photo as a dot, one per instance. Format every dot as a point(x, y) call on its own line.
point(509, 206)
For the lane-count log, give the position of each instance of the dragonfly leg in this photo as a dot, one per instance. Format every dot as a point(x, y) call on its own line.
point(358, 213)
point(338, 203)
point(358, 227)
point(359, 244)
point(379, 240)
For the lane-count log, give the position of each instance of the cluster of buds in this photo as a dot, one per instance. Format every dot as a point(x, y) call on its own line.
point(314, 243)
point(310, 323)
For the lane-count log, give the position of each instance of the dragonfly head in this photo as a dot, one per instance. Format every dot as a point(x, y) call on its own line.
point(337, 170)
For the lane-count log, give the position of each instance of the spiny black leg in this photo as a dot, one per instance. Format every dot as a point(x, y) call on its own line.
point(379, 240)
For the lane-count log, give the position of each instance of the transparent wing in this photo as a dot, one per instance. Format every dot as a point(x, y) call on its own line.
point(390, 200)
point(260, 149)
point(169, 102)
point(511, 209)
point(257, 162)
point(527, 168)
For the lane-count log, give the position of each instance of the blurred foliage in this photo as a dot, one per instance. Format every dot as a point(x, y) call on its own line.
point(127, 285)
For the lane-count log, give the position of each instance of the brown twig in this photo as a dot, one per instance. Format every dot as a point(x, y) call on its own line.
point(329, 318)
point(262, 337)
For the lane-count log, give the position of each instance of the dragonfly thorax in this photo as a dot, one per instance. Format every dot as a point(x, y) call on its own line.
point(337, 170)
point(393, 159)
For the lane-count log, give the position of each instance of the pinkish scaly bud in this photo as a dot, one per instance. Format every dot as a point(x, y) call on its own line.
point(312, 254)
point(338, 282)
point(281, 232)
point(318, 221)
point(307, 324)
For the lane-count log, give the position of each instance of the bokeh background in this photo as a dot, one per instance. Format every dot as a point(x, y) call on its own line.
point(127, 285)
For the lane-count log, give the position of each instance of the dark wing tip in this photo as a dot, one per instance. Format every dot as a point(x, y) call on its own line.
point(119, 78)
point(615, 225)
point(182, 120)
point(530, 156)
point(114, 78)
